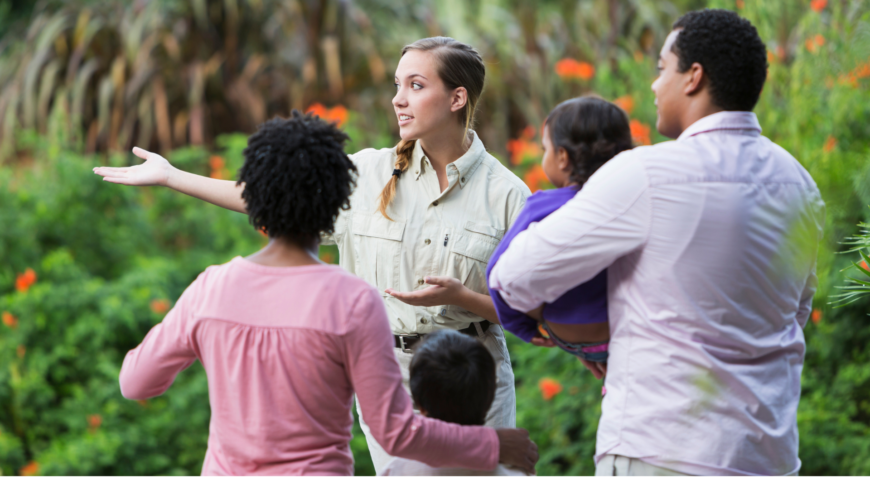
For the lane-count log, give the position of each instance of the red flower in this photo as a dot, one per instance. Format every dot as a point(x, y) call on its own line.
point(816, 316)
point(740, 4)
point(94, 422)
point(572, 69)
point(216, 163)
point(639, 132)
point(30, 469)
point(830, 144)
point(524, 148)
point(337, 114)
point(10, 320)
point(818, 5)
point(536, 178)
point(160, 306)
point(25, 280)
point(626, 103)
point(549, 388)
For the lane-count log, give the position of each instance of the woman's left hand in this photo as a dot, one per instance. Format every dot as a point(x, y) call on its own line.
point(443, 291)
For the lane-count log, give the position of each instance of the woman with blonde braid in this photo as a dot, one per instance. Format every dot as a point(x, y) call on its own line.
point(424, 218)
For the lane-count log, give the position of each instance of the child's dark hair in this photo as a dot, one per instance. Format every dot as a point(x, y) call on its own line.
point(453, 378)
point(591, 130)
point(297, 177)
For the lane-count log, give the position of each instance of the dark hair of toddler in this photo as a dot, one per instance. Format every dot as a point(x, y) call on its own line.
point(453, 378)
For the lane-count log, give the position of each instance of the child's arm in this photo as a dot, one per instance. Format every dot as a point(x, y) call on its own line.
point(150, 368)
point(157, 171)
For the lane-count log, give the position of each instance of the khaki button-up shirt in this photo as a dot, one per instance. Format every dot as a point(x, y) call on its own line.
point(433, 233)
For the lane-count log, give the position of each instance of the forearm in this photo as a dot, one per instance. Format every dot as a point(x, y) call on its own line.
point(223, 193)
point(479, 304)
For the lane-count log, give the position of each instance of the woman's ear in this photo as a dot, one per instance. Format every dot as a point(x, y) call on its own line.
point(459, 100)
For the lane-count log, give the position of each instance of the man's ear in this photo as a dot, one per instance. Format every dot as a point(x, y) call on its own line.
point(460, 99)
point(696, 79)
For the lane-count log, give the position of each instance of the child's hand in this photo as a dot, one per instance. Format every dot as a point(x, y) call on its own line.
point(539, 340)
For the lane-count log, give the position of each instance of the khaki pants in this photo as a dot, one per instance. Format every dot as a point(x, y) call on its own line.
point(617, 465)
point(502, 414)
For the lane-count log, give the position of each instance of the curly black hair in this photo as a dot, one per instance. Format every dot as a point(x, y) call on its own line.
point(591, 130)
point(732, 53)
point(452, 378)
point(297, 177)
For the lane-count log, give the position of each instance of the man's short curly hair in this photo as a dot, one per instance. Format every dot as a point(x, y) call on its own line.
point(297, 177)
point(729, 48)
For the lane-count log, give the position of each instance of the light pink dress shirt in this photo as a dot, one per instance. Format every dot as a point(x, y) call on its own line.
point(284, 349)
point(710, 243)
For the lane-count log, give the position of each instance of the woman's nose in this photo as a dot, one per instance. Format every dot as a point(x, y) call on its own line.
point(399, 99)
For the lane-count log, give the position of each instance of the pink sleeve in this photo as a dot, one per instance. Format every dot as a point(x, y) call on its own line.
point(387, 408)
point(150, 368)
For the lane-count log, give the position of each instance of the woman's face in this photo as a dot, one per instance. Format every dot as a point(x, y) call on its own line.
point(423, 104)
point(554, 161)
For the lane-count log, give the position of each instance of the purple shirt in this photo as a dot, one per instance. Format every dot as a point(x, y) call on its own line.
point(585, 303)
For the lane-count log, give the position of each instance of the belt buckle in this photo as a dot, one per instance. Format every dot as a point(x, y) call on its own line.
point(402, 337)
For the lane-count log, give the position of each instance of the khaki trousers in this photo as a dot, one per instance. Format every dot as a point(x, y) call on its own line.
point(617, 465)
point(502, 414)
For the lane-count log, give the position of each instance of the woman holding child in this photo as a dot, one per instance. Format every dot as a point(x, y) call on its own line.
point(423, 221)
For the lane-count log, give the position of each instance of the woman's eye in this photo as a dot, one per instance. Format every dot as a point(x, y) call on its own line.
point(396, 85)
point(416, 86)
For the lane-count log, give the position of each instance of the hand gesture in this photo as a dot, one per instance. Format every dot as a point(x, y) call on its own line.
point(444, 291)
point(517, 449)
point(154, 171)
point(598, 369)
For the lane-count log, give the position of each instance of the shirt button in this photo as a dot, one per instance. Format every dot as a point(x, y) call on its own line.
point(462, 179)
point(428, 241)
point(424, 321)
point(435, 203)
point(421, 281)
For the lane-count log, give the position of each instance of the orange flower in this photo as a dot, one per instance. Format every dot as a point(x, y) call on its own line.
point(160, 306)
point(810, 45)
point(830, 144)
point(30, 469)
point(626, 103)
point(142, 402)
point(770, 57)
point(851, 80)
point(535, 178)
point(216, 163)
point(638, 56)
point(549, 388)
point(337, 114)
point(740, 4)
point(528, 133)
point(639, 132)
point(816, 316)
point(25, 280)
point(819, 40)
point(864, 265)
point(818, 5)
point(94, 422)
point(10, 320)
point(780, 52)
point(20, 351)
point(523, 149)
point(572, 69)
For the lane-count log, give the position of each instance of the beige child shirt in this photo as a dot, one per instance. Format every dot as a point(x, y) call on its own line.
point(432, 233)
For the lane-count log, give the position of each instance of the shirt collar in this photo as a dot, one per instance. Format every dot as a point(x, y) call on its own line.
point(725, 120)
point(466, 164)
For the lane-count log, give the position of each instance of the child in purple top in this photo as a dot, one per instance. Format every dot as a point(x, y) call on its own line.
point(579, 136)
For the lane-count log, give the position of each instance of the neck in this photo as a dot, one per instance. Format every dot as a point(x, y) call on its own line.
point(697, 111)
point(445, 147)
point(283, 252)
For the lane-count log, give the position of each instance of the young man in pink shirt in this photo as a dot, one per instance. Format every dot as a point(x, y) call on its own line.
point(286, 340)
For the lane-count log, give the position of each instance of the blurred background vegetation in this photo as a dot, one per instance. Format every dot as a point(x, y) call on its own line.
point(87, 268)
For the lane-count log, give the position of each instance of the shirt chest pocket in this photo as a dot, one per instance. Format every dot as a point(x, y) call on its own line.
point(378, 248)
point(472, 248)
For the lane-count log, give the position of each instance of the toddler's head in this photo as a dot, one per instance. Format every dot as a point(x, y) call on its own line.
point(297, 177)
point(579, 136)
point(453, 378)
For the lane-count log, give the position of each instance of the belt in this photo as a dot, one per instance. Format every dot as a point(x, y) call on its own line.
point(407, 341)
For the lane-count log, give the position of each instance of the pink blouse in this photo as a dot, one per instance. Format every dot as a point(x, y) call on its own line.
point(284, 349)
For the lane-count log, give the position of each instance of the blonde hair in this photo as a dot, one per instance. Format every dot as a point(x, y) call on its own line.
point(459, 65)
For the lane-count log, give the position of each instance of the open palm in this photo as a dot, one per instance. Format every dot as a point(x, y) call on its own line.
point(154, 171)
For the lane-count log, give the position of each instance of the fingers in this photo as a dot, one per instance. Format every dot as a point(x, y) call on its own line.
point(141, 153)
point(593, 367)
point(442, 281)
point(108, 171)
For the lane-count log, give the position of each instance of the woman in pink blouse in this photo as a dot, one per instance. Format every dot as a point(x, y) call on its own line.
point(287, 340)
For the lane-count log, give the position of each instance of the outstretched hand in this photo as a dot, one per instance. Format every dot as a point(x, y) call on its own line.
point(154, 171)
point(443, 291)
point(517, 449)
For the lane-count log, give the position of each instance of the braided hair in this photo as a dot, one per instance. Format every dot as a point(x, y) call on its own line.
point(459, 65)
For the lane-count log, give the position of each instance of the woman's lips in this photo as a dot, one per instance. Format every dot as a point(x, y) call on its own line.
point(405, 120)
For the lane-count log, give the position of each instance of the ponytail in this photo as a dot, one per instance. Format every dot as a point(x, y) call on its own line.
point(403, 159)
